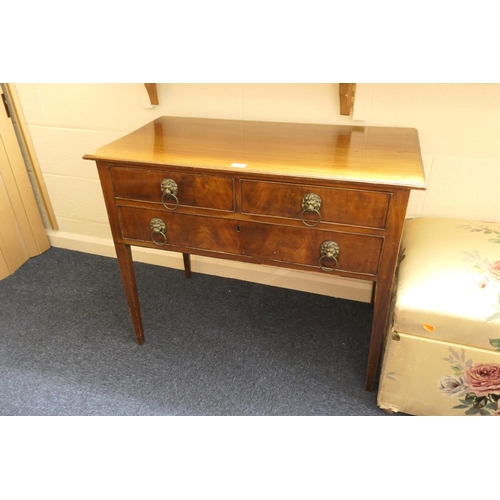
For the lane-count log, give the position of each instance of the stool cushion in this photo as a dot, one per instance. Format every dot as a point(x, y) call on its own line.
point(448, 286)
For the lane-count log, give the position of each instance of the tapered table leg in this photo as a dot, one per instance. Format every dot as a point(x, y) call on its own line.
point(382, 298)
point(187, 264)
point(124, 255)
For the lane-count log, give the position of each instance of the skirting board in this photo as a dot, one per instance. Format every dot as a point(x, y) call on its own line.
point(331, 286)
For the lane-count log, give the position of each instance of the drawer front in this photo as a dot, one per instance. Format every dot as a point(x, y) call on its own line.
point(204, 191)
point(341, 206)
point(204, 233)
point(358, 253)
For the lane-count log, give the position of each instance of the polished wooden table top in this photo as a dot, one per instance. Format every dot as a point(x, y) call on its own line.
point(375, 155)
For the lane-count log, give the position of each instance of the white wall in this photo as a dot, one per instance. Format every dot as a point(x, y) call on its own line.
point(458, 126)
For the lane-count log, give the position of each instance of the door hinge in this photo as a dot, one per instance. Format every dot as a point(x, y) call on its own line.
point(6, 105)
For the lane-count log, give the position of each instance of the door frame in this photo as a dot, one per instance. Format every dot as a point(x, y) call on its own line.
point(22, 232)
point(26, 145)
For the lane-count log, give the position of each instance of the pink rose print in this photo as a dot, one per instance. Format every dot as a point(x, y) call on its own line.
point(476, 385)
point(494, 270)
point(483, 378)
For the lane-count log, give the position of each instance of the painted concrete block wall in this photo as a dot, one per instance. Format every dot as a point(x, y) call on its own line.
point(457, 123)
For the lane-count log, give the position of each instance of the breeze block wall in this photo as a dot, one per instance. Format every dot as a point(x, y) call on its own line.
point(457, 124)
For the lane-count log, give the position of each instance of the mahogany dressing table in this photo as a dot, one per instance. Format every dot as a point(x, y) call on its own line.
point(320, 198)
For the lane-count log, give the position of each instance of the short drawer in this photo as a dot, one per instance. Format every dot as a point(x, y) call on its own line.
point(183, 230)
point(338, 205)
point(203, 191)
point(358, 254)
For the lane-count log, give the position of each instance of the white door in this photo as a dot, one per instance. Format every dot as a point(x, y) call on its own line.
point(22, 234)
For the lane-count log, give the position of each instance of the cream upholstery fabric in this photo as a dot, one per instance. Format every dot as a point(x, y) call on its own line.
point(445, 339)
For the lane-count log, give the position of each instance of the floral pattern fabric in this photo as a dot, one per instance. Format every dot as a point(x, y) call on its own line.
point(477, 385)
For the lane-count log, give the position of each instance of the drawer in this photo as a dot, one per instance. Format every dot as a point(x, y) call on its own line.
point(266, 243)
point(183, 230)
point(204, 191)
point(359, 254)
point(341, 206)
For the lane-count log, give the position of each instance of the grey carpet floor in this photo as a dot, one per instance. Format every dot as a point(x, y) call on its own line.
point(214, 346)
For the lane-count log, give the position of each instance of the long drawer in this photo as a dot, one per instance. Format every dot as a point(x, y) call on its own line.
point(193, 190)
point(359, 254)
point(341, 206)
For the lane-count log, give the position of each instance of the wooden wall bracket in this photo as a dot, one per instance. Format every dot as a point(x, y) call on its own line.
point(152, 92)
point(347, 94)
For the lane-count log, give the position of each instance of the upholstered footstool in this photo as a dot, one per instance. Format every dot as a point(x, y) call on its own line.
point(442, 354)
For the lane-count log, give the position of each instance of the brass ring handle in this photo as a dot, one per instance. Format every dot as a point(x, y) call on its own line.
point(169, 188)
point(311, 204)
point(329, 250)
point(158, 226)
point(307, 223)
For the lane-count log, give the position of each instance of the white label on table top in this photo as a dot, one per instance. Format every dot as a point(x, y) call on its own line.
point(239, 165)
